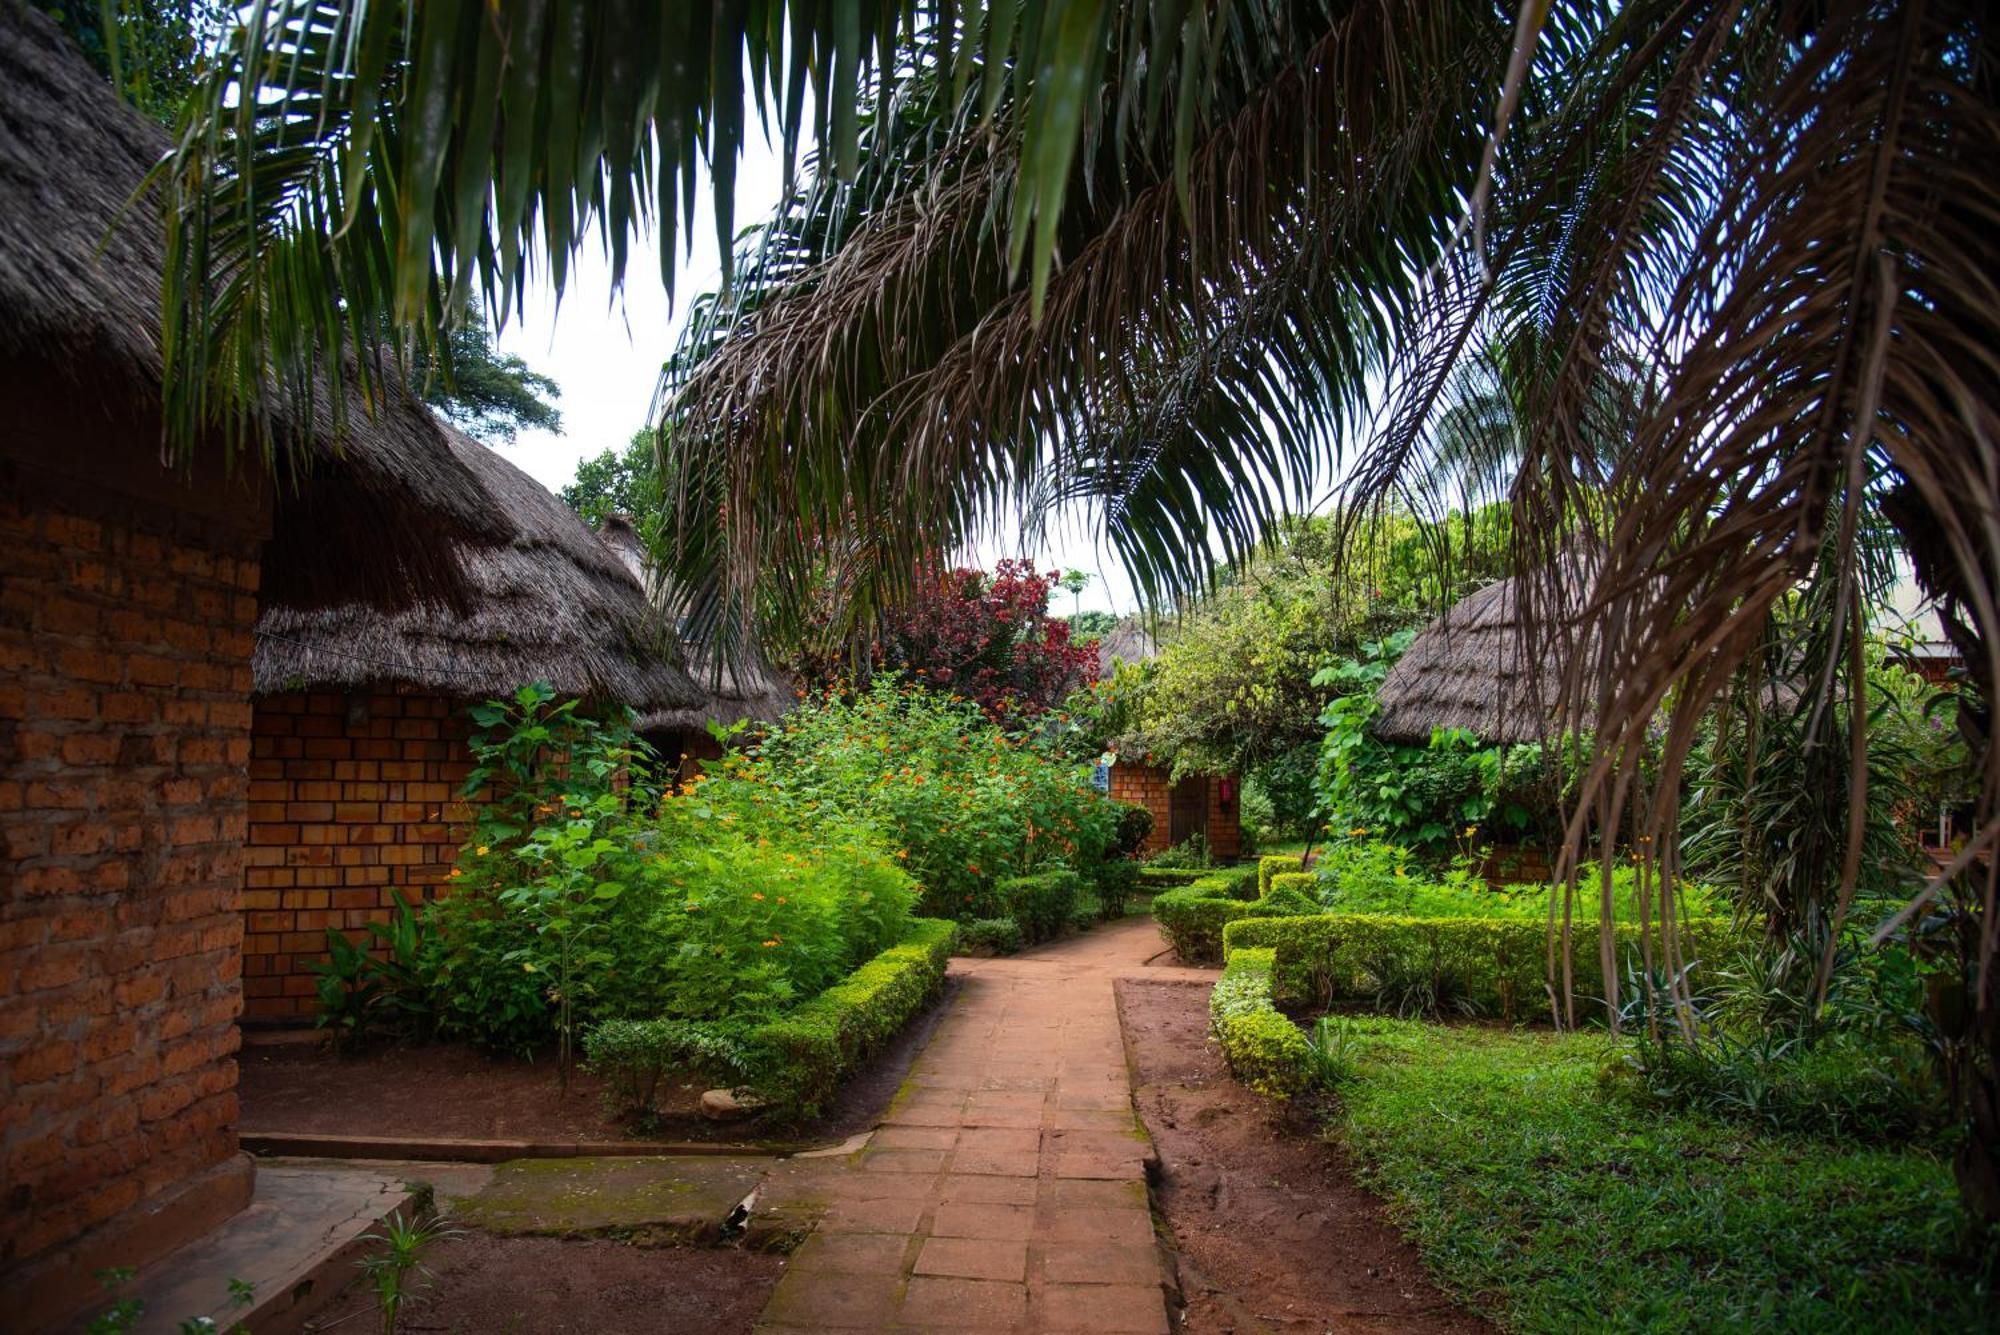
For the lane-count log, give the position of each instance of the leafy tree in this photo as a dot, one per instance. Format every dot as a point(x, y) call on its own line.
point(487, 393)
point(153, 49)
point(989, 638)
point(617, 481)
point(1091, 625)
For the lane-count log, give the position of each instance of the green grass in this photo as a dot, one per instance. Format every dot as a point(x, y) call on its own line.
point(1554, 1206)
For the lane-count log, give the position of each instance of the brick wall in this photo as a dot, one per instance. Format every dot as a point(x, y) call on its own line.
point(124, 743)
point(1151, 787)
point(353, 801)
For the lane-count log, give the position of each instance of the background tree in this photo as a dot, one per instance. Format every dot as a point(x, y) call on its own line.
point(623, 481)
point(487, 393)
point(153, 49)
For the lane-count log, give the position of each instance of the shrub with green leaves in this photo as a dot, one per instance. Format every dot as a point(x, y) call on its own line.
point(966, 804)
point(1043, 904)
point(1275, 864)
point(990, 936)
point(1264, 1049)
point(797, 1060)
point(1117, 882)
point(1491, 966)
point(634, 1056)
point(1192, 919)
point(1373, 876)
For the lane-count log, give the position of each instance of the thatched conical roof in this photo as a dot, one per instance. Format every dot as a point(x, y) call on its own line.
point(729, 695)
point(1471, 668)
point(1127, 642)
point(551, 604)
point(80, 348)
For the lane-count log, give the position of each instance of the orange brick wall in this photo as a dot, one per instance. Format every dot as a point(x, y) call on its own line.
point(353, 802)
point(1151, 787)
point(124, 746)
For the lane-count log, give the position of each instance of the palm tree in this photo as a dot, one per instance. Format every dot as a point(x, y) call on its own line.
point(1165, 257)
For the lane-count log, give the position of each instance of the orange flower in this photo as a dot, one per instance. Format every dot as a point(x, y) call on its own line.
point(756, 894)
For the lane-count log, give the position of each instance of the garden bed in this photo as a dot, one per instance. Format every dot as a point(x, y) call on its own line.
point(449, 1091)
point(596, 1287)
point(1270, 1228)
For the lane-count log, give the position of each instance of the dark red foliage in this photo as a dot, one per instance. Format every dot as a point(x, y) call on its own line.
point(989, 638)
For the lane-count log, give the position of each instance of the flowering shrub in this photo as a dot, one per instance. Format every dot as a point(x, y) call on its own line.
point(986, 637)
point(964, 804)
point(585, 893)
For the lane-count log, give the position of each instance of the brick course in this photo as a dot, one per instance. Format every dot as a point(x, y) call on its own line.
point(353, 802)
point(124, 749)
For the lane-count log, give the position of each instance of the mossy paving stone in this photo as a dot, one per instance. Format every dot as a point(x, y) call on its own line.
point(650, 1200)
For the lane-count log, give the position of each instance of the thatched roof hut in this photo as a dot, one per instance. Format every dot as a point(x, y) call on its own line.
point(728, 694)
point(1470, 669)
point(1127, 642)
point(551, 604)
point(80, 354)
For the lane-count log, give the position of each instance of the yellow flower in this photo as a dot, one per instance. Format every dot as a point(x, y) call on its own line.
point(756, 894)
point(482, 850)
point(692, 906)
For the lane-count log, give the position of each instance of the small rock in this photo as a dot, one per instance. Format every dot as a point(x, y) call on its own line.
point(725, 1105)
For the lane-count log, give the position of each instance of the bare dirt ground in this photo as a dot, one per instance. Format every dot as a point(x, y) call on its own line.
point(445, 1090)
point(1272, 1231)
point(486, 1285)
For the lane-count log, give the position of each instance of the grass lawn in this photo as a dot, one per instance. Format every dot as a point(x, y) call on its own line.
point(1556, 1207)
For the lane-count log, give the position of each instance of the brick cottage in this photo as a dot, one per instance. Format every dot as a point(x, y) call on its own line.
point(1204, 804)
point(129, 593)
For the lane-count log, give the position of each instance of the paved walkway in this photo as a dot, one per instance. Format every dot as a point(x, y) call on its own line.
point(1006, 1188)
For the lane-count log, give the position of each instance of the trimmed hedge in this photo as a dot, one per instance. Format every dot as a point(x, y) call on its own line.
point(1264, 1049)
point(1166, 878)
point(1275, 864)
point(994, 936)
point(1117, 882)
point(1292, 882)
point(1192, 919)
point(1497, 964)
point(1043, 904)
point(797, 1060)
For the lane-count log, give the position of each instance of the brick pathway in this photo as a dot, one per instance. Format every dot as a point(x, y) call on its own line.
point(1006, 1189)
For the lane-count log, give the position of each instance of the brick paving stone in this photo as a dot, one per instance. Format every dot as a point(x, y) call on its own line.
point(974, 1258)
point(914, 1138)
point(876, 1216)
point(853, 1253)
point(1101, 1307)
point(981, 1219)
point(1107, 1263)
point(984, 1189)
point(964, 1304)
point(903, 1161)
point(830, 1300)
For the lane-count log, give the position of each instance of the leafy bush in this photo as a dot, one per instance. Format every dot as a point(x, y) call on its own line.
point(1192, 919)
point(990, 936)
point(377, 984)
point(966, 805)
point(1158, 878)
point(1117, 882)
point(1330, 1061)
point(1190, 854)
point(1372, 876)
point(1043, 904)
point(1495, 965)
point(797, 1060)
point(716, 904)
point(634, 1056)
point(1134, 824)
point(1264, 1049)
point(1229, 883)
point(1273, 865)
point(1294, 883)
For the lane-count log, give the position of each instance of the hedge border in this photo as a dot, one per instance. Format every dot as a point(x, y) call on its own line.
point(1193, 917)
point(1263, 1048)
point(798, 1059)
point(1276, 864)
point(1320, 959)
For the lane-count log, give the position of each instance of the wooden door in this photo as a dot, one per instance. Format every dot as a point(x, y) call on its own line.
point(1187, 809)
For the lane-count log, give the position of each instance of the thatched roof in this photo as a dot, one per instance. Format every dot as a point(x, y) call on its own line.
point(1127, 642)
point(728, 695)
point(79, 335)
point(553, 604)
point(1470, 669)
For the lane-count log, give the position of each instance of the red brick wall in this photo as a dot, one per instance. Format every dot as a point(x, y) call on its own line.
point(124, 743)
point(349, 808)
point(1151, 787)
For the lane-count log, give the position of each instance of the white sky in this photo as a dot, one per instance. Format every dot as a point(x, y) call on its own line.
point(606, 351)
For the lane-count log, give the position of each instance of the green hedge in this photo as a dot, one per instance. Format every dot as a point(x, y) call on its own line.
point(1291, 882)
point(1117, 882)
point(1264, 1049)
point(1192, 919)
point(797, 1060)
point(1498, 965)
point(993, 936)
point(1043, 904)
point(1165, 878)
point(1275, 864)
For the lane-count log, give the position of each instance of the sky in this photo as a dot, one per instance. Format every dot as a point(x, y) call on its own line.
point(605, 351)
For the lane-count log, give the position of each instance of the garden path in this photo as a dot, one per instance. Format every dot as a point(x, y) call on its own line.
point(1006, 1187)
